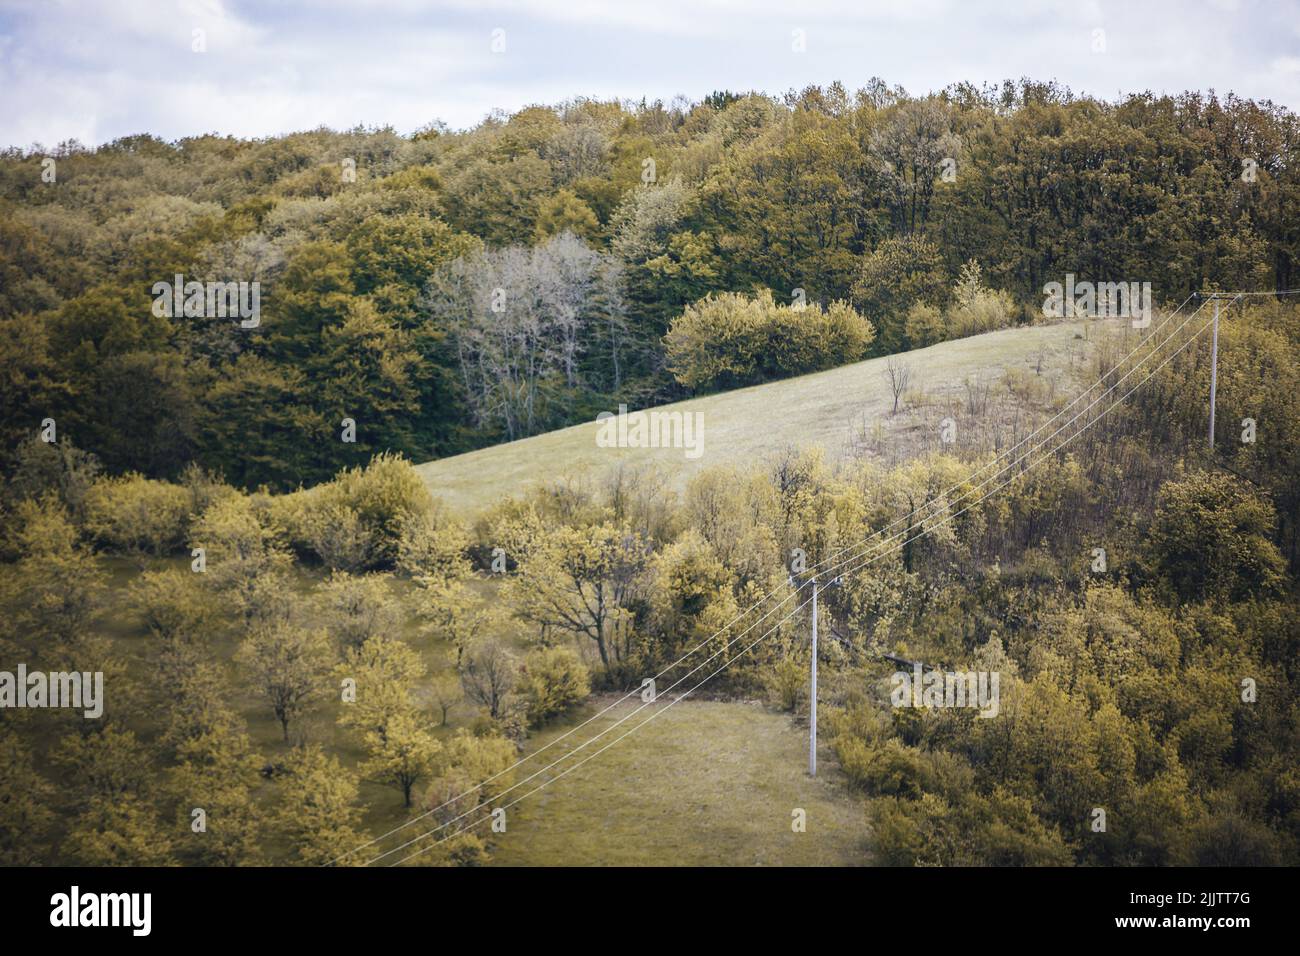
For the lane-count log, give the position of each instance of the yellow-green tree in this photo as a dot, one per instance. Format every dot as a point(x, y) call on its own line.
point(581, 581)
point(385, 670)
point(403, 755)
point(317, 814)
point(287, 665)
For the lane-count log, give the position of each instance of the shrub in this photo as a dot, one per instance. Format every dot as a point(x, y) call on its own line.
point(339, 537)
point(925, 325)
point(892, 769)
point(39, 467)
point(360, 607)
point(551, 681)
point(1211, 538)
point(433, 546)
point(977, 308)
point(787, 682)
point(242, 549)
point(386, 495)
point(730, 340)
point(989, 310)
point(136, 515)
point(357, 522)
point(173, 604)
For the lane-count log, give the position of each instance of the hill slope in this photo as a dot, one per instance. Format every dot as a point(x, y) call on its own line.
point(706, 784)
point(747, 424)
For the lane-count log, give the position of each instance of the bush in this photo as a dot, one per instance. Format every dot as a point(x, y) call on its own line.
point(1212, 538)
point(339, 536)
point(963, 830)
point(242, 548)
point(357, 522)
point(787, 683)
point(551, 681)
point(433, 546)
point(731, 340)
point(360, 607)
point(136, 515)
point(925, 325)
point(892, 769)
point(39, 467)
point(173, 604)
point(976, 308)
point(386, 495)
point(989, 310)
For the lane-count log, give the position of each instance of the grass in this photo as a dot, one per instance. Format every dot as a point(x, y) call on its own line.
point(752, 423)
point(707, 783)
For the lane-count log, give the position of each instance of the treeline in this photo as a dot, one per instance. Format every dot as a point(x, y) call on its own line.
point(448, 290)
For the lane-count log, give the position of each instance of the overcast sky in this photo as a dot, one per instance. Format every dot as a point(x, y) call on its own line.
point(95, 71)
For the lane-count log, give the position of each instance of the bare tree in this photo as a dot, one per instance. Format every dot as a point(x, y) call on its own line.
point(522, 318)
point(898, 375)
point(445, 690)
point(906, 150)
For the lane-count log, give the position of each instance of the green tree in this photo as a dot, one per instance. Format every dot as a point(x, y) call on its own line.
point(119, 831)
point(1211, 538)
point(583, 581)
point(893, 277)
point(385, 670)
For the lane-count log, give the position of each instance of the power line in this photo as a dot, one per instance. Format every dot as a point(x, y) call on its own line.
point(570, 753)
point(590, 756)
point(1005, 468)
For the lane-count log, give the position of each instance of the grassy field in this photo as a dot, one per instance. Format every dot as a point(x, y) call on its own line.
point(705, 783)
point(827, 409)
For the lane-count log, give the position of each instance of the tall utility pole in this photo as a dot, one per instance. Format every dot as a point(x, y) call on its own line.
point(1213, 375)
point(812, 694)
point(812, 720)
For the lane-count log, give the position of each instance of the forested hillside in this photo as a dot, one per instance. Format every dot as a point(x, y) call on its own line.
point(309, 656)
point(451, 289)
point(315, 669)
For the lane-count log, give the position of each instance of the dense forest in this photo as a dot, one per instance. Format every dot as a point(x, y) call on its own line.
point(305, 648)
point(448, 290)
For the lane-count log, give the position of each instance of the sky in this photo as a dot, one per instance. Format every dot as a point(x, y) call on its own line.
point(96, 71)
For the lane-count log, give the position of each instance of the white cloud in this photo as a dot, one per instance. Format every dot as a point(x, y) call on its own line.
point(97, 71)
